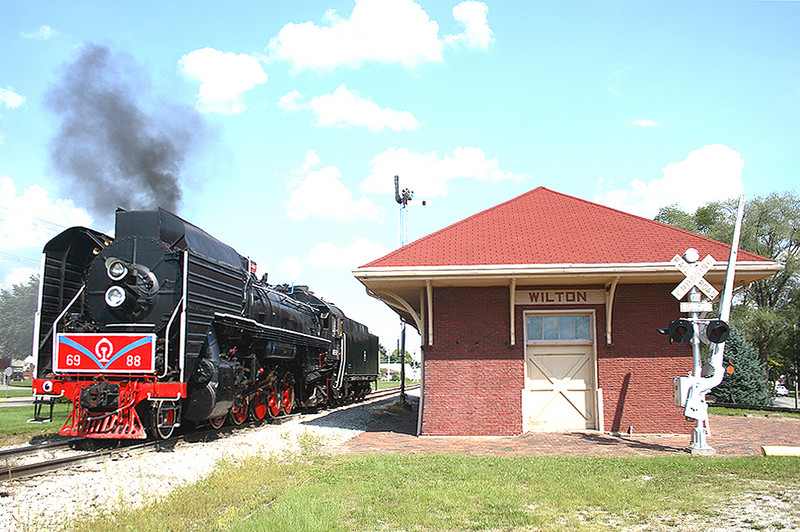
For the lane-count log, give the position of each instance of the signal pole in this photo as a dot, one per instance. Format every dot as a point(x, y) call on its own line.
point(403, 198)
point(690, 391)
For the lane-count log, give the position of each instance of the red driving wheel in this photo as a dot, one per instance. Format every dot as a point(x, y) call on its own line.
point(287, 393)
point(273, 402)
point(239, 411)
point(258, 405)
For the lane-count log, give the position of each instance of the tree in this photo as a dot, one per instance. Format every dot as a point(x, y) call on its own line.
point(17, 309)
point(773, 231)
point(712, 220)
point(383, 357)
point(789, 363)
point(748, 382)
point(674, 216)
point(394, 358)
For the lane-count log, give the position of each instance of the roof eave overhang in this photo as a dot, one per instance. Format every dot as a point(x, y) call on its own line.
point(406, 289)
point(557, 273)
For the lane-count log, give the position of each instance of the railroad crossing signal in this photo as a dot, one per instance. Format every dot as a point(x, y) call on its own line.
point(680, 331)
point(711, 331)
point(694, 273)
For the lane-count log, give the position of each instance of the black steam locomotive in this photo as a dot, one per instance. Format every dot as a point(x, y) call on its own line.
point(165, 324)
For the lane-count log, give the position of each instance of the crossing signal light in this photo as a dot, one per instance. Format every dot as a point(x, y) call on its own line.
point(712, 331)
point(681, 331)
point(716, 331)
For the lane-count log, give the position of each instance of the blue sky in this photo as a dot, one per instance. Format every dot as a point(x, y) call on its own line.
point(292, 118)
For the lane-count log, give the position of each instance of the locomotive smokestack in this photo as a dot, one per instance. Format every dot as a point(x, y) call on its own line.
point(111, 149)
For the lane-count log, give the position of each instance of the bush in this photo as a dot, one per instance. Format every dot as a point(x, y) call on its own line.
point(748, 382)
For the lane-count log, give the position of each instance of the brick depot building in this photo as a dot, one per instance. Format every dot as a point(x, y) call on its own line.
point(540, 314)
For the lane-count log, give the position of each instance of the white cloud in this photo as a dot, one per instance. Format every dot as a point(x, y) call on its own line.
point(42, 33)
point(382, 31)
point(28, 220)
point(292, 267)
point(711, 173)
point(311, 160)
point(429, 173)
point(360, 251)
point(321, 194)
point(477, 33)
point(224, 78)
point(644, 122)
point(345, 108)
point(290, 102)
point(10, 99)
point(18, 276)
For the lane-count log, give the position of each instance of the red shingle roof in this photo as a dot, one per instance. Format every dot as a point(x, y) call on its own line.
point(547, 227)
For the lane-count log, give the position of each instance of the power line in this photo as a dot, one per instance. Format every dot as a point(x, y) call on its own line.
point(9, 215)
point(10, 257)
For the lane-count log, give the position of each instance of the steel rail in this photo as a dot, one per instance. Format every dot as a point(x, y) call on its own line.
point(37, 468)
point(33, 448)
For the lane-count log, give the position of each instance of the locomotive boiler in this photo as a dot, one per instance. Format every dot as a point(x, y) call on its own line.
point(163, 324)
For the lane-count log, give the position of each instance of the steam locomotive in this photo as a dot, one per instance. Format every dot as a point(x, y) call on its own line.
point(164, 324)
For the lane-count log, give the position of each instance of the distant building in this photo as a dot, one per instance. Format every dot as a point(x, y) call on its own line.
point(393, 370)
point(541, 314)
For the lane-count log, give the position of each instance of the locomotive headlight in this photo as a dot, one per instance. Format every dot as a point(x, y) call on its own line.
point(116, 269)
point(115, 296)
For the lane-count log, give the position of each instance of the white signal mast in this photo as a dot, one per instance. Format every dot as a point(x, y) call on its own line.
point(690, 391)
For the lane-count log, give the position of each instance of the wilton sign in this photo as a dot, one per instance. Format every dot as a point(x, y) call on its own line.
point(562, 296)
point(112, 353)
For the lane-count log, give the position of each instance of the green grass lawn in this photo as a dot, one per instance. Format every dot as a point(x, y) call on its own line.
point(15, 391)
point(15, 429)
point(724, 411)
point(430, 492)
point(394, 384)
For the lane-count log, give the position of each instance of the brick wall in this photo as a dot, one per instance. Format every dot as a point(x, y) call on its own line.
point(636, 371)
point(474, 378)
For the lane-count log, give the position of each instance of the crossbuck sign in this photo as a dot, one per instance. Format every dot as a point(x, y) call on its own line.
point(694, 276)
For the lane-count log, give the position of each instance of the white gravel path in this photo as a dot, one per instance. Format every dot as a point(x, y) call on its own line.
point(47, 502)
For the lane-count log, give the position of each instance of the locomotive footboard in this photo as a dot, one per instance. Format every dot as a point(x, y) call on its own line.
point(115, 410)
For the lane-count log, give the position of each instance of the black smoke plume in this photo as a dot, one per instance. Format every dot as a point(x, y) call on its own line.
point(116, 147)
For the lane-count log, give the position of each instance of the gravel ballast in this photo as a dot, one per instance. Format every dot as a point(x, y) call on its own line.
point(49, 502)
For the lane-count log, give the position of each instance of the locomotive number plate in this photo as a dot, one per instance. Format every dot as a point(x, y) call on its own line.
point(105, 353)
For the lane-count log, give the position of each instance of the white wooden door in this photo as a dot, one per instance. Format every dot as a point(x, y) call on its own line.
point(560, 388)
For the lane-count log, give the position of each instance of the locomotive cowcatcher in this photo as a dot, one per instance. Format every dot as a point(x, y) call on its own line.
point(164, 324)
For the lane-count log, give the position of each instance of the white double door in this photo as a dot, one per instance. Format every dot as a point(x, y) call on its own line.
point(560, 389)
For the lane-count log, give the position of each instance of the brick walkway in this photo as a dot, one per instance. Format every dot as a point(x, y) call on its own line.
point(392, 427)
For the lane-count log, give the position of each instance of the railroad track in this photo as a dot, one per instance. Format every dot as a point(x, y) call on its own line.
point(36, 448)
point(389, 391)
point(16, 463)
point(12, 466)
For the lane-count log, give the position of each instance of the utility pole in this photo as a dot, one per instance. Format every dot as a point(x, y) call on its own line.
point(403, 198)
